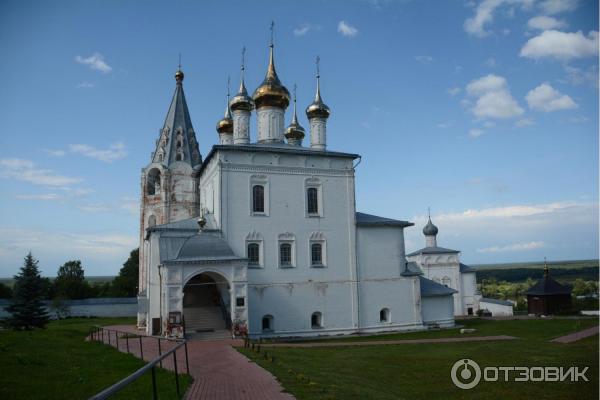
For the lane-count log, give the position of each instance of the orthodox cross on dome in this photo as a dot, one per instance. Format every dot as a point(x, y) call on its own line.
point(317, 62)
point(179, 64)
point(272, 32)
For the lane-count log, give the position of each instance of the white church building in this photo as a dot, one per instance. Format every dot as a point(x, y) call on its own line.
point(262, 236)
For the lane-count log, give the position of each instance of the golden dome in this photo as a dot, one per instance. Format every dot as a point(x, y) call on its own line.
point(225, 125)
point(294, 133)
point(179, 75)
point(271, 92)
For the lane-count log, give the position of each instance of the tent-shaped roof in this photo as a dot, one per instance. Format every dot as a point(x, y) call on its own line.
point(547, 286)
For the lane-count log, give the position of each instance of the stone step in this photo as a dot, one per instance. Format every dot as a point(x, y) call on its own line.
point(221, 334)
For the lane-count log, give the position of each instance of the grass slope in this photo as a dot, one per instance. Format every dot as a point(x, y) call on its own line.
point(422, 371)
point(57, 363)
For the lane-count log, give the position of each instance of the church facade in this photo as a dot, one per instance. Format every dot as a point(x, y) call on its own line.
point(262, 237)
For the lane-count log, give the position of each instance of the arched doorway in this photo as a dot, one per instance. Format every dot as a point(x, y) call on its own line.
point(206, 305)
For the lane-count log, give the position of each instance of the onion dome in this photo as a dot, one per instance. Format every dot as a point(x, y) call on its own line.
point(294, 133)
point(430, 229)
point(225, 125)
point(318, 109)
point(271, 92)
point(241, 101)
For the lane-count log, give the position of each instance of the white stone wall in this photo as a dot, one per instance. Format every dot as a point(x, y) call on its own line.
point(285, 177)
point(469, 290)
point(380, 262)
point(270, 124)
point(443, 269)
point(497, 310)
point(435, 310)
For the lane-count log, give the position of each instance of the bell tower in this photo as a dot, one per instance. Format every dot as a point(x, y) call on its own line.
point(169, 186)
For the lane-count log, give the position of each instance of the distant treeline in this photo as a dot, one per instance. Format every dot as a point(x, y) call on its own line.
point(522, 274)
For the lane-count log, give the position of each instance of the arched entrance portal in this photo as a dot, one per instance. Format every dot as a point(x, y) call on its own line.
point(206, 305)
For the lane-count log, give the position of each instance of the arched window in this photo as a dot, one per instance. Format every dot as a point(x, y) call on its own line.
point(384, 315)
point(446, 281)
point(312, 200)
point(316, 320)
point(316, 254)
point(151, 221)
point(285, 254)
point(153, 182)
point(179, 156)
point(253, 253)
point(267, 323)
point(258, 198)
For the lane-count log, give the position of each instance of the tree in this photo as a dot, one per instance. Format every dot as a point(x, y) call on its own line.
point(70, 281)
point(5, 291)
point(126, 283)
point(27, 308)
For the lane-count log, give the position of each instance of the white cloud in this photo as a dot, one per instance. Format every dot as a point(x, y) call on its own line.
point(102, 253)
point(524, 122)
point(475, 133)
point(95, 208)
point(85, 85)
point(454, 91)
point(546, 98)
point(444, 125)
point(43, 197)
point(569, 229)
point(424, 59)
point(114, 152)
point(488, 83)
point(490, 62)
point(484, 15)
point(561, 45)
point(305, 28)
point(579, 76)
point(513, 247)
point(95, 62)
point(55, 153)
point(516, 211)
point(493, 98)
point(25, 170)
point(557, 6)
point(346, 29)
point(545, 23)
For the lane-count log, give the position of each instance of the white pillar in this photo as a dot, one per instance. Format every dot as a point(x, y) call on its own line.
point(318, 132)
point(270, 124)
point(430, 241)
point(226, 137)
point(241, 126)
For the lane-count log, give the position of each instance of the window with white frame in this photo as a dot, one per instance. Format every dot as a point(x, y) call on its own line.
point(254, 253)
point(287, 251)
point(254, 249)
point(259, 195)
point(317, 250)
point(258, 199)
point(313, 197)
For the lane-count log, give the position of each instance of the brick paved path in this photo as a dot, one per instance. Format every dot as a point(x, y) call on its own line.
point(219, 371)
point(573, 337)
point(399, 341)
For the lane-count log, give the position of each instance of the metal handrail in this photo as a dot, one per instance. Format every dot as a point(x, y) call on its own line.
point(151, 365)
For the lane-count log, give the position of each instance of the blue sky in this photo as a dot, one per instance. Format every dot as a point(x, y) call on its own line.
point(487, 111)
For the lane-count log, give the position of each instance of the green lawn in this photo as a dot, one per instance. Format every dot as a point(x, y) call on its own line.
point(56, 363)
point(543, 329)
point(422, 371)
